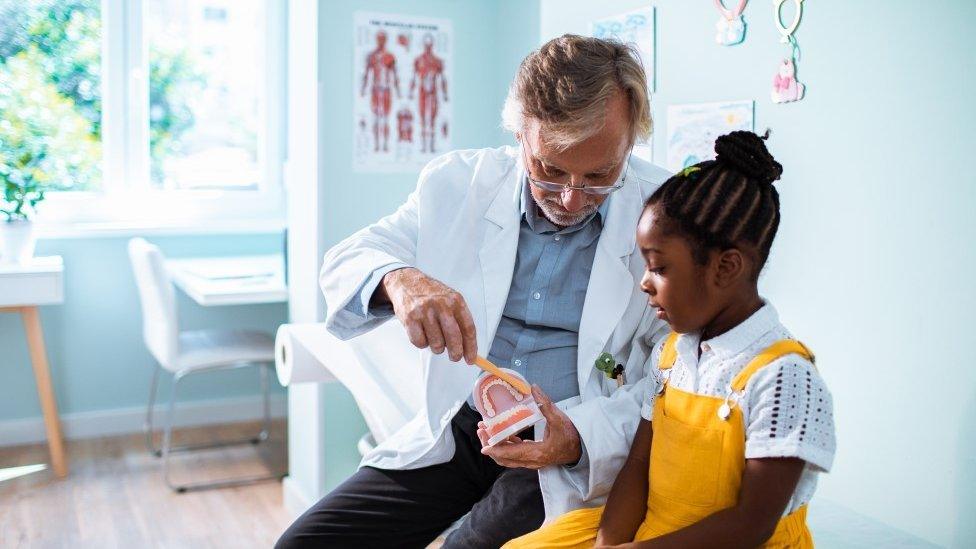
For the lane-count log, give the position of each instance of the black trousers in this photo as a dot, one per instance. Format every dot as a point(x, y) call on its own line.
point(382, 508)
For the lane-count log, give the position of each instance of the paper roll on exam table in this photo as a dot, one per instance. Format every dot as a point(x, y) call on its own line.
point(381, 369)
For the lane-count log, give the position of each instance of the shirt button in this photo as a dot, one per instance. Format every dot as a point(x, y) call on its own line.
point(705, 347)
point(517, 362)
point(536, 295)
point(557, 238)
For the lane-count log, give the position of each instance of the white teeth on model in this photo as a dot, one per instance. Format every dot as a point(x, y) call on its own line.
point(489, 409)
point(506, 414)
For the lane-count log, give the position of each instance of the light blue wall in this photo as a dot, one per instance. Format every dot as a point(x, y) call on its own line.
point(490, 38)
point(94, 340)
point(874, 264)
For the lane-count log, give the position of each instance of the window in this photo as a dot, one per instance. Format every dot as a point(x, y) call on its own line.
point(166, 109)
point(204, 92)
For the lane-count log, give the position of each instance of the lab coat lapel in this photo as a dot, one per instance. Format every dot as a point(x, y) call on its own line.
point(497, 255)
point(611, 283)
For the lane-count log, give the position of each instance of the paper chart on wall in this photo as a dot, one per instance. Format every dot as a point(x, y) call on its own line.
point(402, 80)
point(693, 128)
point(635, 27)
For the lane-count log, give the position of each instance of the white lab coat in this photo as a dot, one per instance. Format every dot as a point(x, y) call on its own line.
point(461, 226)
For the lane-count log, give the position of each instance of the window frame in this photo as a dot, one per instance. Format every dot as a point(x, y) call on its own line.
point(126, 197)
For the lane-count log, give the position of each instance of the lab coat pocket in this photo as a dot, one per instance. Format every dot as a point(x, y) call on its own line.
point(607, 385)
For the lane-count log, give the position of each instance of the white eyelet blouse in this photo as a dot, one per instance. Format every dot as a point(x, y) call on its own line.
point(786, 406)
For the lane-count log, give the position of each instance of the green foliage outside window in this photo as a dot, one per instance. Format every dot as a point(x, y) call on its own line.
point(51, 106)
point(45, 144)
point(174, 82)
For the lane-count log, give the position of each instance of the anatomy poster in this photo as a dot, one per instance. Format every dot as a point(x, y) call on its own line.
point(635, 27)
point(402, 89)
point(692, 129)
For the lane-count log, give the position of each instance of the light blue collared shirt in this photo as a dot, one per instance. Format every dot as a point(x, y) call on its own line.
point(539, 330)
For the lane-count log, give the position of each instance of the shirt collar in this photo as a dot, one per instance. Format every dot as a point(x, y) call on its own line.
point(738, 339)
point(538, 223)
point(732, 342)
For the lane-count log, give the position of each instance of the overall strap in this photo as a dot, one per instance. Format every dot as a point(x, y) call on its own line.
point(668, 353)
point(779, 349)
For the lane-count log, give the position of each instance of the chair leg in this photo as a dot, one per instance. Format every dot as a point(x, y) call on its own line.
point(266, 404)
point(148, 425)
point(168, 432)
point(219, 443)
point(168, 449)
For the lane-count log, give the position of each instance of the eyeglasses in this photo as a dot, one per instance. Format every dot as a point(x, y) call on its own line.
point(586, 188)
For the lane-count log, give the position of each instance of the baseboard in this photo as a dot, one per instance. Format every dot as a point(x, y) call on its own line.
point(123, 421)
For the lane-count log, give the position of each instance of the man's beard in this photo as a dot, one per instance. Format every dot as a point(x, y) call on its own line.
point(555, 213)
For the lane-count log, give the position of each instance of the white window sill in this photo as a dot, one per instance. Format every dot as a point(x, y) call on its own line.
point(154, 213)
point(57, 231)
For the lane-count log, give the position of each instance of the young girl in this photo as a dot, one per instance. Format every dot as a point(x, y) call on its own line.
point(740, 422)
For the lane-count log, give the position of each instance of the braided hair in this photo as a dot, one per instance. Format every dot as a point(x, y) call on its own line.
point(726, 202)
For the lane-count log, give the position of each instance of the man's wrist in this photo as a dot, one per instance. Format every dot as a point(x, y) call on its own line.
point(576, 462)
point(580, 449)
point(381, 296)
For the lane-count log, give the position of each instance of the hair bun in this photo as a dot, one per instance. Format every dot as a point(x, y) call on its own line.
point(746, 153)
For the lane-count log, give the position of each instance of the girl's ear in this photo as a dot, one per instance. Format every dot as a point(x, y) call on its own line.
point(729, 267)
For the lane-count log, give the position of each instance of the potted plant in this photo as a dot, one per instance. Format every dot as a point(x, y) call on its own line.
point(21, 193)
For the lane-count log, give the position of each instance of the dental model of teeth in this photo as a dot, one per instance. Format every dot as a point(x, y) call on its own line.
point(503, 408)
point(492, 382)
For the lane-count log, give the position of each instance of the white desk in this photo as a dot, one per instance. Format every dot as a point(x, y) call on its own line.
point(242, 280)
point(22, 289)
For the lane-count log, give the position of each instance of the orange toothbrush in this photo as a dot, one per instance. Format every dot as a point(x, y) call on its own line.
point(487, 366)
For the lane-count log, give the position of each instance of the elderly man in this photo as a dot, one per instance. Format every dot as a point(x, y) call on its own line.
point(527, 256)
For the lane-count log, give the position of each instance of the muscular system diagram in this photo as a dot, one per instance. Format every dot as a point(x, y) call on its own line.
point(401, 116)
point(428, 70)
point(381, 70)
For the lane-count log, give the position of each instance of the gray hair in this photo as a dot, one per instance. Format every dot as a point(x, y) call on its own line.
point(566, 83)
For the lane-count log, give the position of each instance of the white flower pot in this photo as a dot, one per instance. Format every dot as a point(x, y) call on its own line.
point(17, 241)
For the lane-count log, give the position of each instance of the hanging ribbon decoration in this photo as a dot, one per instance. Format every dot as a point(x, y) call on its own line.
point(786, 88)
point(731, 27)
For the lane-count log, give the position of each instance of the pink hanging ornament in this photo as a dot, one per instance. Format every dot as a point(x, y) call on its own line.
point(786, 88)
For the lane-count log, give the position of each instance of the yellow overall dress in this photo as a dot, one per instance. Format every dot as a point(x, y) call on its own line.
point(696, 465)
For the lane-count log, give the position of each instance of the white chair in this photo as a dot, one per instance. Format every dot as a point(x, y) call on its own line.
point(191, 352)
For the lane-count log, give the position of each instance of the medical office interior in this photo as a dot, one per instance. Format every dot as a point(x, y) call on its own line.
point(189, 162)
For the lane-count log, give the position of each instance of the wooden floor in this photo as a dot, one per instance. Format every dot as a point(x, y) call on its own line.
point(114, 495)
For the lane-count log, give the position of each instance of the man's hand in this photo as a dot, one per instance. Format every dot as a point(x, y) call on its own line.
point(560, 444)
point(434, 315)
